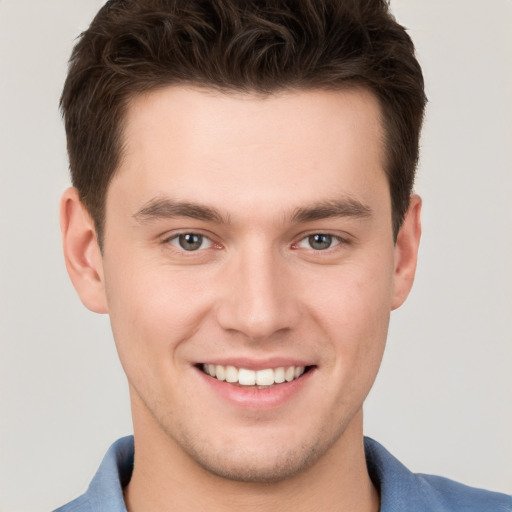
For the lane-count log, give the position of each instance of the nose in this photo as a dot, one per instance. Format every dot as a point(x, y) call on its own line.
point(258, 298)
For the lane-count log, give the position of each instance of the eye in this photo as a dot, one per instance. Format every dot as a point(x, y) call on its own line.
point(319, 242)
point(190, 241)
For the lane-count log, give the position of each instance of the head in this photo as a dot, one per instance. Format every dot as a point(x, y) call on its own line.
point(136, 46)
point(248, 171)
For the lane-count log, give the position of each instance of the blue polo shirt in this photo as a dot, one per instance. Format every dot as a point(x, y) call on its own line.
point(400, 490)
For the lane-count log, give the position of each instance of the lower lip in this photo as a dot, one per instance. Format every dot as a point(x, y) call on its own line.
point(254, 398)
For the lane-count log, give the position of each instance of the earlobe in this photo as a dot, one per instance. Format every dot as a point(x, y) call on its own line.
point(406, 252)
point(81, 252)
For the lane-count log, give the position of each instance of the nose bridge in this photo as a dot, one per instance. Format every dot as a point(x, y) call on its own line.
point(258, 298)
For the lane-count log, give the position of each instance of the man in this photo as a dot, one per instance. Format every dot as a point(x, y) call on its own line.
point(243, 211)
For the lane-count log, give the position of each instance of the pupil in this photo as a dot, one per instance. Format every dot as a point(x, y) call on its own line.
point(320, 242)
point(190, 242)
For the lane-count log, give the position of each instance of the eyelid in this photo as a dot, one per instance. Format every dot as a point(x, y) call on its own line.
point(204, 241)
point(169, 238)
point(336, 237)
point(336, 240)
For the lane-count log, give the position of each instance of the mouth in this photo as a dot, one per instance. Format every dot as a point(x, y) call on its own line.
point(259, 379)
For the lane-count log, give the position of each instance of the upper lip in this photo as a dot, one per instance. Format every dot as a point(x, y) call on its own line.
point(258, 364)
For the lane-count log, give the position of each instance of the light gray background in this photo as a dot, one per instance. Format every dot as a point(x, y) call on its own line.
point(442, 403)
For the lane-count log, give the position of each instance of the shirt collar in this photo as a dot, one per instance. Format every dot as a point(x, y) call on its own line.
point(106, 489)
point(399, 489)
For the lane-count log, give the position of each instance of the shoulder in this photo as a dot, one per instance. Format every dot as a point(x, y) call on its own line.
point(105, 492)
point(402, 491)
point(463, 498)
point(80, 504)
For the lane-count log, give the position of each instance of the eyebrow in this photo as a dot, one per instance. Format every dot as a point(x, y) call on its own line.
point(162, 208)
point(347, 207)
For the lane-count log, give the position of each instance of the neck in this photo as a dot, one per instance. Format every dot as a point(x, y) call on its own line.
point(166, 479)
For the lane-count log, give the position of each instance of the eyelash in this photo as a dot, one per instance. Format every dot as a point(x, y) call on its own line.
point(176, 238)
point(334, 242)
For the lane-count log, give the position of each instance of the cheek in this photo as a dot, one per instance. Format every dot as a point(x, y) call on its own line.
point(354, 308)
point(152, 309)
point(357, 296)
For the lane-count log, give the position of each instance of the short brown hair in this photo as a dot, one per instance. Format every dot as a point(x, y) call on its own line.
point(258, 46)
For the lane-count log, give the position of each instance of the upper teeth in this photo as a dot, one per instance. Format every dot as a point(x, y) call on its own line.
point(245, 377)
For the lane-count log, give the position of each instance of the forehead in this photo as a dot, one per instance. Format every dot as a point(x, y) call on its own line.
point(285, 116)
point(201, 145)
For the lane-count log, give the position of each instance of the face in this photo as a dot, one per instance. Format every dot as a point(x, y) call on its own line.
point(249, 272)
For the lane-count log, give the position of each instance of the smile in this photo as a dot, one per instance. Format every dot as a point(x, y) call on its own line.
point(245, 377)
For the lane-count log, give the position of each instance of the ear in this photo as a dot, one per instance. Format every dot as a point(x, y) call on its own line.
point(406, 252)
point(81, 252)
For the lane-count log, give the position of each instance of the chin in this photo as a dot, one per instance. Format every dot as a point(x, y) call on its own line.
point(263, 468)
point(259, 459)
